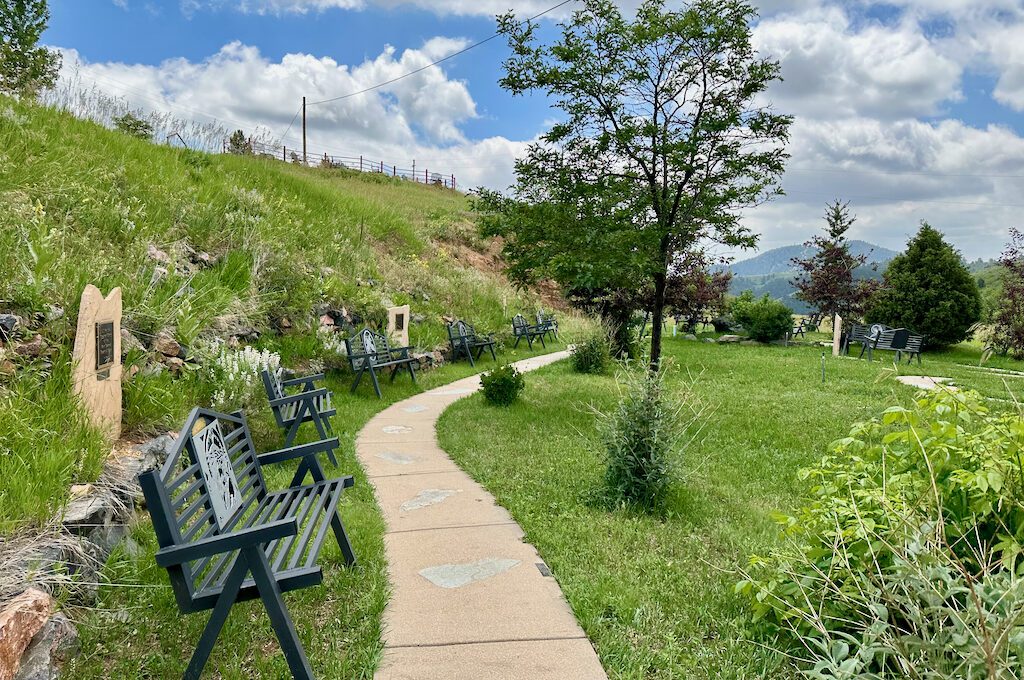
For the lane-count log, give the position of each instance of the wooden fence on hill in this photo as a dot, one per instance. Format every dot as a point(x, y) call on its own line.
point(290, 155)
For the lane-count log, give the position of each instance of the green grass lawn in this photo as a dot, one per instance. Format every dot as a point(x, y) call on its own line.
point(655, 594)
point(135, 630)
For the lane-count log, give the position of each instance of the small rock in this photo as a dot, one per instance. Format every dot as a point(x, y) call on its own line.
point(7, 367)
point(166, 344)
point(78, 490)
point(326, 321)
point(175, 365)
point(8, 324)
point(130, 343)
point(729, 339)
point(751, 343)
point(158, 255)
point(284, 323)
point(54, 312)
point(32, 349)
point(20, 620)
point(417, 318)
point(709, 341)
point(159, 274)
point(689, 336)
point(50, 649)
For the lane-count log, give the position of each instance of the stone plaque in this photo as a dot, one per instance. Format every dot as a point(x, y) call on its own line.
point(837, 334)
point(398, 325)
point(97, 359)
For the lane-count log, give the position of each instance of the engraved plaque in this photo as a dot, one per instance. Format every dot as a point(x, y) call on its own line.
point(400, 322)
point(104, 345)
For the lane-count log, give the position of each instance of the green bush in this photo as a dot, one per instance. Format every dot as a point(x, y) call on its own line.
point(907, 560)
point(641, 437)
point(929, 290)
point(763, 319)
point(502, 385)
point(592, 354)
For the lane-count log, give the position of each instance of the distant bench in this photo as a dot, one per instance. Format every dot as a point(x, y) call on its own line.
point(465, 341)
point(879, 337)
point(369, 352)
point(225, 538)
point(522, 329)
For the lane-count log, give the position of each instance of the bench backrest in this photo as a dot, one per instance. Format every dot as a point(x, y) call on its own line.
point(272, 384)
point(458, 330)
point(367, 342)
point(914, 342)
point(211, 477)
point(864, 333)
point(892, 338)
point(519, 325)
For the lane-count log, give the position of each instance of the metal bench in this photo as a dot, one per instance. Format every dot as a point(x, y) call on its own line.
point(370, 352)
point(862, 334)
point(521, 329)
point(548, 322)
point(311, 404)
point(913, 349)
point(800, 329)
point(465, 340)
point(225, 538)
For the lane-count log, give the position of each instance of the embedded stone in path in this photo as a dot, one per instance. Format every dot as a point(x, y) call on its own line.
point(925, 382)
point(426, 498)
point(458, 575)
point(396, 429)
point(398, 458)
point(416, 408)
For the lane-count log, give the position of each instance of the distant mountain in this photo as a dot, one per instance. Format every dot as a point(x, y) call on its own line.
point(778, 260)
point(772, 271)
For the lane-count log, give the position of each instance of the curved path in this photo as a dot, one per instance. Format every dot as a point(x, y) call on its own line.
point(470, 599)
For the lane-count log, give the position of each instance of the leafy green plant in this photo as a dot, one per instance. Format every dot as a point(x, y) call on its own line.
point(642, 436)
point(133, 126)
point(907, 561)
point(592, 354)
point(502, 385)
point(764, 319)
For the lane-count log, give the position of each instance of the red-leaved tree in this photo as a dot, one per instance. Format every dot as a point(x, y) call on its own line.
point(693, 290)
point(825, 278)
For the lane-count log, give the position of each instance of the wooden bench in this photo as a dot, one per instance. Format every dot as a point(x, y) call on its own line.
point(862, 334)
point(521, 329)
point(370, 352)
point(890, 339)
point(548, 322)
point(465, 340)
point(225, 538)
point(312, 404)
point(800, 329)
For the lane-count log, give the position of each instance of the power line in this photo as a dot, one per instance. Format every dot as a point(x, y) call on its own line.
point(439, 61)
point(903, 172)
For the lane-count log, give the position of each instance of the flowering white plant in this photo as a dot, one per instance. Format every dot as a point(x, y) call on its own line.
point(237, 376)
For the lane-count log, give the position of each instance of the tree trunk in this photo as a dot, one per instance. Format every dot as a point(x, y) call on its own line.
point(660, 280)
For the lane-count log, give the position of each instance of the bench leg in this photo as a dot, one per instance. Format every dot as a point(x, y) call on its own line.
point(469, 353)
point(394, 372)
point(493, 355)
point(293, 431)
point(342, 536)
point(282, 624)
point(542, 343)
point(217, 618)
point(323, 428)
point(518, 338)
point(376, 385)
point(412, 372)
point(359, 376)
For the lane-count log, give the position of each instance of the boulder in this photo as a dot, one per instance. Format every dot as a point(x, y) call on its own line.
point(689, 336)
point(165, 344)
point(130, 343)
point(49, 650)
point(32, 349)
point(417, 318)
point(726, 339)
point(20, 619)
point(7, 367)
point(157, 255)
point(174, 365)
point(709, 341)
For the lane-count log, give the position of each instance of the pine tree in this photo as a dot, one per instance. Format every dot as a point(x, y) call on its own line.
point(25, 68)
point(928, 290)
point(825, 278)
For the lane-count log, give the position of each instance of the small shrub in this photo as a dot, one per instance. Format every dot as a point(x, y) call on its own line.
point(502, 385)
point(236, 376)
point(765, 319)
point(642, 436)
point(907, 561)
point(133, 126)
point(592, 354)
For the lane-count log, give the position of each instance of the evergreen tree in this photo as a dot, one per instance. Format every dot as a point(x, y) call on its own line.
point(929, 290)
point(25, 68)
point(239, 144)
point(825, 278)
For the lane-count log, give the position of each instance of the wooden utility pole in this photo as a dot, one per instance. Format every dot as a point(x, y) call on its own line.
point(305, 161)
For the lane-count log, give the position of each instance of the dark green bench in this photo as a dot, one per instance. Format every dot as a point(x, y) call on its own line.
point(225, 538)
point(311, 404)
point(521, 329)
point(548, 322)
point(369, 352)
point(465, 341)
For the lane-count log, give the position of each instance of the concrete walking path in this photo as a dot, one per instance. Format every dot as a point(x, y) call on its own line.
point(470, 599)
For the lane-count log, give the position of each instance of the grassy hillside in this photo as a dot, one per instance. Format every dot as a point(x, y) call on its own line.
point(81, 204)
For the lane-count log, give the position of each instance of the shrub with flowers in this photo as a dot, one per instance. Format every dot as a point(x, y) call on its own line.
point(236, 373)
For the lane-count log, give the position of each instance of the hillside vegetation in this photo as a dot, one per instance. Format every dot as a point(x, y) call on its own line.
point(200, 241)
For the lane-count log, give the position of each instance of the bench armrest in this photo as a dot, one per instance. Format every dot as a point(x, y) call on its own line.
point(307, 380)
point(301, 396)
point(236, 540)
point(299, 451)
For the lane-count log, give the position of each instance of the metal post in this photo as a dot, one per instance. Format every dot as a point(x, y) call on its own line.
point(360, 164)
point(822, 368)
point(305, 161)
point(284, 153)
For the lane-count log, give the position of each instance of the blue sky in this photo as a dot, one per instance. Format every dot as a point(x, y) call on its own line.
point(911, 109)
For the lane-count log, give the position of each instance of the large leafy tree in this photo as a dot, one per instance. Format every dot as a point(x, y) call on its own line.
point(825, 278)
point(928, 289)
point(1008, 314)
point(25, 68)
point(665, 113)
